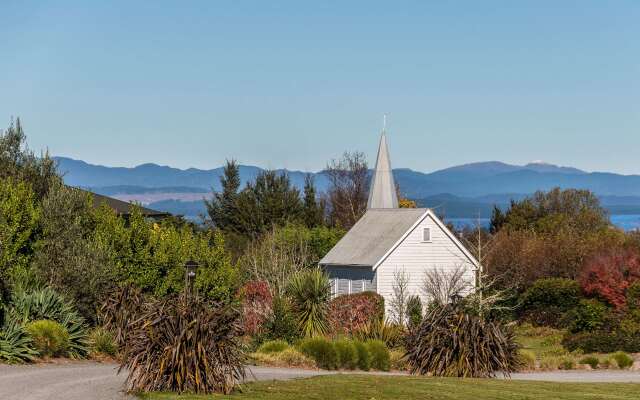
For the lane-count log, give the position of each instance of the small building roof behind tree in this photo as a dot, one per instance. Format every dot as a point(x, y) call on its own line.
point(124, 208)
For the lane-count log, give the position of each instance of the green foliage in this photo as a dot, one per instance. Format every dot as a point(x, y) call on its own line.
point(543, 341)
point(623, 360)
point(273, 346)
point(23, 165)
point(380, 358)
point(19, 215)
point(527, 360)
point(545, 302)
point(269, 201)
point(591, 361)
point(65, 256)
point(101, 341)
point(281, 324)
point(390, 334)
point(222, 208)
point(589, 315)
point(602, 342)
point(398, 360)
point(552, 211)
point(152, 256)
point(50, 338)
point(347, 354)
point(322, 350)
point(184, 344)
point(450, 342)
point(16, 346)
point(313, 210)
point(288, 358)
point(363, 354)
point(414, 311)
point(309, 292)
point(567, 363)
point(633, 296)
point(47, 304)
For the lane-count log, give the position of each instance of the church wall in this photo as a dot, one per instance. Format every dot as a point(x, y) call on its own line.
point(416, 256)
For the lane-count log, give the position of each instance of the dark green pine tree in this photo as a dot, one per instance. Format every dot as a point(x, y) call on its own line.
point(222, 208)
point(270, 201)
point(313, 213)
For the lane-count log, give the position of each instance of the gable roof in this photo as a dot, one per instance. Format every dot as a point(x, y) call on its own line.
point(379, 232)
point(372, 236)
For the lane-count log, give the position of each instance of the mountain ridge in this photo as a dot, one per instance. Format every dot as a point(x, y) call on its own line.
point(468, 185)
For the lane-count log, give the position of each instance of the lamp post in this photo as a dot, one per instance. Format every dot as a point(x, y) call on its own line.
point(190, 276)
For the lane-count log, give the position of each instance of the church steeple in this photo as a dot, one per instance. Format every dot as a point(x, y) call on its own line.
point(382, 193)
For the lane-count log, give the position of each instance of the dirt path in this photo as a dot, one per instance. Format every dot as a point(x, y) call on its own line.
point(89, 380)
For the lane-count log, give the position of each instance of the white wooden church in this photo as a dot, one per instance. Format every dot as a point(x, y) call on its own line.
point(388, 239)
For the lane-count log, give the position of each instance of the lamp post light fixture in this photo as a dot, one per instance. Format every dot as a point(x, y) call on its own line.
point(190, 275)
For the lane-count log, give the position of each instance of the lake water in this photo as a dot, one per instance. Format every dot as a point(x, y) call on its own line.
point(626, 222)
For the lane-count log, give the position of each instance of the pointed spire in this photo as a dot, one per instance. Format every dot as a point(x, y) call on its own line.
point(382, 193)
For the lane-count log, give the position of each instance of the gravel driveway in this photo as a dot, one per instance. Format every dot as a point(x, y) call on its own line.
point(90, 380)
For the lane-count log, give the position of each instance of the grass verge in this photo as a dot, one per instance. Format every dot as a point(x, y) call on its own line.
point(368, 387)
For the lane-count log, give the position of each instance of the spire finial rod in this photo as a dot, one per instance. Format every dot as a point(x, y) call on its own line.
point(384, 122)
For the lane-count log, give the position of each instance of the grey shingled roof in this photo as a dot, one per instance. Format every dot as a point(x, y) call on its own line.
point(382, 193)
point(372, 236)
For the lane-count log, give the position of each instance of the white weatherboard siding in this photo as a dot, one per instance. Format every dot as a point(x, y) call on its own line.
point(415, 257)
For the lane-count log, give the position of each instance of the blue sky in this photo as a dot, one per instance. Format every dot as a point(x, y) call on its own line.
point(286, 84)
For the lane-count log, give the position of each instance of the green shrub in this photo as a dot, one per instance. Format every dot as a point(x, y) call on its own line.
point(320, 349)
point(390, 333)
point(567, 363)
point(591, 361)
point(398, 360)
point(309, 291)
point(527, 360)
point(50, 338)
point(287, 358)
point(364, 357)
point(273, 346)
point(607, 362)
point(380, 358)
point(281, 324)
point(623, 360)
point(414, 311)
point(16, 346)
point(47, 304)
point(633, 296)
point(588, 316)
point(550, 363)
point(347, 354)
point(602, 342)
point(546, 301)
point(102, 341)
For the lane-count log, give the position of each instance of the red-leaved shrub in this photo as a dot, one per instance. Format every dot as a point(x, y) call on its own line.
point(256, 305)
point(348, 312)
point(608, 276)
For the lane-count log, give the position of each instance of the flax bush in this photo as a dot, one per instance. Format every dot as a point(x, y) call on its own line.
point(451, 342)
point(184, 345)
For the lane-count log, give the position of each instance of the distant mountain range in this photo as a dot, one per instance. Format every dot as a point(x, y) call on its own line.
point(460, 191)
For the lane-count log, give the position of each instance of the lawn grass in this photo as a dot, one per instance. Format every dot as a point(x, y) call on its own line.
point(368, 387)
